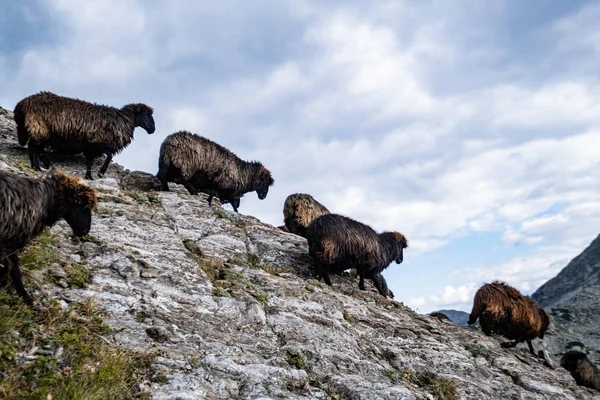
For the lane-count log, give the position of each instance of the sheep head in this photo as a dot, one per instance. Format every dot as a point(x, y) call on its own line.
point(264, 181)
point(143, 116)
point(402, 244)
point(76, 202)
point(545, 322)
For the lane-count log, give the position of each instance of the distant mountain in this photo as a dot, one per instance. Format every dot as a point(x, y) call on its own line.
point(573, 300)
point(458, 317)
point(581, 273)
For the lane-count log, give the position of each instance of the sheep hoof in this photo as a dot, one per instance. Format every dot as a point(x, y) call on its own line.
point(100, 174)
point(89, 177)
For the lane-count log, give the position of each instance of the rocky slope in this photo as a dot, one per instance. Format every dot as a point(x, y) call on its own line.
point(573, 300)
point(227, 304)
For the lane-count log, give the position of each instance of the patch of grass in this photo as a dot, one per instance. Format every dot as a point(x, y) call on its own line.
point(270, 269)
point(221, 213)
point(392, 375)
point(90, 367)
point(235, 276)
point(78, 276)
point(477, 349)
point(317, 283)
point(154, 199)
point(267, 388)
point(253, 261)
point(220, 292)
point(192, 247)
point(262, 297)
point(23, 166)
point(40, 253)
point(440, 388)
point(348, 317)
point(195, 362)
point(160, 378)
point(212, 267)
point(296, 359)
point(89, 238)
point(150, 198)
point(295, 386)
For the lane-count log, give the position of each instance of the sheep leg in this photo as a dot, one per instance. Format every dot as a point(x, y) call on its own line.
point(322, 272)
point(191, 188)
point(15, 274)
point(104, 167)
point(361, 282)
point(33, 156)
point(381, 285)
point(44, 159)
point(3, 275)
point(210, 197)
point(531, 350)
point(89, 162)
point(162, 177)
point(326, 278)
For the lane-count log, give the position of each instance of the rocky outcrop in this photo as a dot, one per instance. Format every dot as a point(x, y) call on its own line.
point(229, 307)
point(573, 299)
point(581, 273)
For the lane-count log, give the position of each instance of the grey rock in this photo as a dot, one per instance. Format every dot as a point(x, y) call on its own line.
point(158, 333)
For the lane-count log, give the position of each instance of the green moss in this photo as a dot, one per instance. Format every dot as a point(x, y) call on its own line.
point(40, 253)
point(78, 276)
point(296, 359)
point(89, 366)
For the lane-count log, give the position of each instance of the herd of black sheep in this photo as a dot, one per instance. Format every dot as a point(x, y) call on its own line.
point(336, 243)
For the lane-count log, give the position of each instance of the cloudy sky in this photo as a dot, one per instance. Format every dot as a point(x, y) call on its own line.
point(471, 127)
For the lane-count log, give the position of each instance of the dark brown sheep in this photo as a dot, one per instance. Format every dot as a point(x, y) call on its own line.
point(503, 310)
point(202, 165)
point(581, 368)
point(73, 126)
point(299, 210)
point(337, 243)
point(28, 206)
